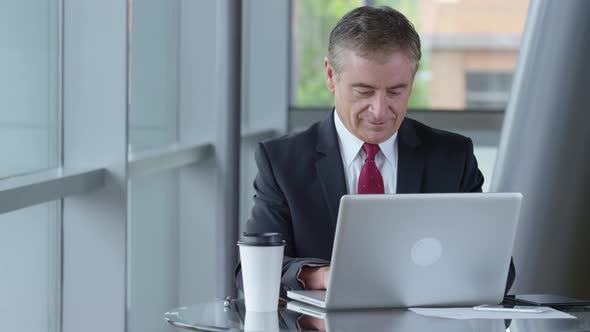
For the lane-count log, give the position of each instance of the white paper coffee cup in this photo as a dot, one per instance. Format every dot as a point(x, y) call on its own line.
point(261, 256)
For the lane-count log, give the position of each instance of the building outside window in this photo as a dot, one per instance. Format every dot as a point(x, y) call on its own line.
point(464, 43)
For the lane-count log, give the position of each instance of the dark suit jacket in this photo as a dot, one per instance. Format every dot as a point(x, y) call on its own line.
point(301, 179)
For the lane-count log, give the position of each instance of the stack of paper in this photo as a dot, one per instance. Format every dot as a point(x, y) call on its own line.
point(470, 313)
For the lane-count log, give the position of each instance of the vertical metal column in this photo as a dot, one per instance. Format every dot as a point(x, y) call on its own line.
point(227, 148)
point(544, 151)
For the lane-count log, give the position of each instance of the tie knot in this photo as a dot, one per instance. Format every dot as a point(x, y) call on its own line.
point(371, 150)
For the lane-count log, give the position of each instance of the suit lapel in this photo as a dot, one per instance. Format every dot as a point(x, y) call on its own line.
point(331, 172)
point(329, 166)
point(410, 159)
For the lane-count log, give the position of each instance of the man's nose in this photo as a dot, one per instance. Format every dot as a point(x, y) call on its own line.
point(379, 106)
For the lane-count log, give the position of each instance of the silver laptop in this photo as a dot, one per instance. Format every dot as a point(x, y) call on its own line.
point(410, 250)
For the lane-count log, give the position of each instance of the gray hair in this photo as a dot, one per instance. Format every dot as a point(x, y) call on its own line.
point(373, 32)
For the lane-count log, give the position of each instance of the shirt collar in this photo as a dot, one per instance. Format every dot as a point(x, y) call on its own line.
point(388, 149)
point(350, 145)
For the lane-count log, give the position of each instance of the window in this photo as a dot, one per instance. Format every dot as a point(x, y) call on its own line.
point(153, 111)
point(312, 22)
point(487, 90)
point(29, 142)
point(458, 38)
point(29, 86)
point(114, 168)
point(469, 53)
point(29, 268)
point(153, 198)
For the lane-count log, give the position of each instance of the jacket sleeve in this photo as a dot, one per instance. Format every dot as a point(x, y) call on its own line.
point(472, 181)
point(271, 213)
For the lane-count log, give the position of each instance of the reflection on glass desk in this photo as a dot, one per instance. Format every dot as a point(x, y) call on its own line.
point(232, 316)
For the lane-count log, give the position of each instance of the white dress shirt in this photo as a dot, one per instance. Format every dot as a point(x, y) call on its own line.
point(353, 158)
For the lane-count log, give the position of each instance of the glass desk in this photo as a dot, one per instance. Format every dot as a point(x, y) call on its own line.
point(231, 316)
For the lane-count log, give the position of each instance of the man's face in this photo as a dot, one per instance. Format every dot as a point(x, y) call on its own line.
point(371, 95)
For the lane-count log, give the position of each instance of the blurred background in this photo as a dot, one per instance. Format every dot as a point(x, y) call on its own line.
point(128, 131)
point(469, 54)
point(469, 50)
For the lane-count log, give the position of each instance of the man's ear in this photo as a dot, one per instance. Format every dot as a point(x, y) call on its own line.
point(330, 75)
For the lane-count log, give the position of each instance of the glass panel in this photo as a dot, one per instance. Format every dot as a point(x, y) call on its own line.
point(29, 86)
point(459, 38)
point(153, 251)
point(29, 269)
point(154, 38)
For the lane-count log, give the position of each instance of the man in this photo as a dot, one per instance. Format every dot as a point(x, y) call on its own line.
point(365, 146)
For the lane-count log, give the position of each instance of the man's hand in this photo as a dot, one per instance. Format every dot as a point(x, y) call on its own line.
point(314, 277)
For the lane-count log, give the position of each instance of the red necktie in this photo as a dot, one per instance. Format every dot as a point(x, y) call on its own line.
point(370, 180)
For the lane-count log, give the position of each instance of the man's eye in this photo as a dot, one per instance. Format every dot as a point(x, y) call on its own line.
point(364, 93)
point(393, 93)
